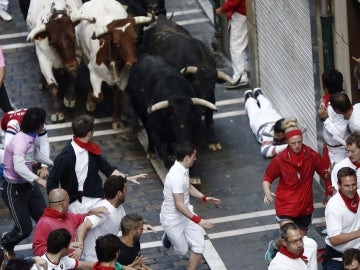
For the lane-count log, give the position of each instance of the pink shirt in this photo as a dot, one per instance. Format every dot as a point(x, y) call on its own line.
point(22, 144)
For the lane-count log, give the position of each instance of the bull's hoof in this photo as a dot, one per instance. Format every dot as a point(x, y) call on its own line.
point(151, 155)
point(214, 146)
point(57, 117)
point(195, 180)
point(69, 103)
point(90, 106)
point(117, 125)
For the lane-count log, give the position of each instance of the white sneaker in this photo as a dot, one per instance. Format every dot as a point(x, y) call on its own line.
point(5, 16)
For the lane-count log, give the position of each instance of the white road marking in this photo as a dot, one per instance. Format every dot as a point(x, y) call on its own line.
point(15, 35)
point(231, 233)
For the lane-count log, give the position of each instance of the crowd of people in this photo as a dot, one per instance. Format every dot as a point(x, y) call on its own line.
point(79, 225)
point(293, 167)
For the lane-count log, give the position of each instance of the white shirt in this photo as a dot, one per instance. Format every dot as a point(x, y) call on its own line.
point(176, 182)
point(282, 262)
point(81, 164)
point(101, 226)
point(339, 219)
point(64, 264)
point(354, 120)
point(335, 125)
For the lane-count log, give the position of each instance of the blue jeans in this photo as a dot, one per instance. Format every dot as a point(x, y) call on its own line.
point(332, 265)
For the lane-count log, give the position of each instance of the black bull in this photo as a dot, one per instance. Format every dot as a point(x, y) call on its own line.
point(193, 58)
point(165, 102)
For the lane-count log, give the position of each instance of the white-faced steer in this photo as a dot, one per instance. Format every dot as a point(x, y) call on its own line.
point(52, 24)
point(109, 50)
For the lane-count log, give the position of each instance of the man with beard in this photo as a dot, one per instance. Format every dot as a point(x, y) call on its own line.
point(95, 226)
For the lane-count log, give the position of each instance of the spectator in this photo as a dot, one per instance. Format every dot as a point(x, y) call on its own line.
point(95, 226)
point(21, 192)
point(335, 126)
point(3, 8)
point(265, 123)
point(5, 104)
point(342, 220)
point(76, 168)
point(177, 216)
point(352, 161)
point(295, 168)
point(351, 259)
point(236, 14)
point(296, 252)
point(342, 105)
point(58, 243)
point(56, 216)
point(107, 252)
point(10, 125)
point(131, 229)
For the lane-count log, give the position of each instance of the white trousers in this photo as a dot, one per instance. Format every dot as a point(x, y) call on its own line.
point(238, 44)
point(4, 4)
point(183, 233)
point(85, 206)
point(260, 116)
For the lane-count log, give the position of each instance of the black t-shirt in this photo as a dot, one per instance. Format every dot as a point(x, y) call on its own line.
point(128, 254)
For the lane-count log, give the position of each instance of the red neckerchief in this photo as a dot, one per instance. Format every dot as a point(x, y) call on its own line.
point(297, 159)
point(357, 165)
point(351, 204)
point(326, 99)
point(287, 253)
point(97, 266)
point(49, 212)
point(90, 146)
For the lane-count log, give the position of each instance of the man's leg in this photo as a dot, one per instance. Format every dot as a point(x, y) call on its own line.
point(194, 260)
point(16, 197)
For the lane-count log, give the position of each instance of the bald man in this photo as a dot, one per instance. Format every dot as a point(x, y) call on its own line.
point(57, 216)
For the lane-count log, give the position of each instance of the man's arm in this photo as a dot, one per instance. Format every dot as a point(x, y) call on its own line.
point(80, 238)
point(181, 207)
point(85, 265)
point(2, 75)
point(197, 194)
point(344, 238)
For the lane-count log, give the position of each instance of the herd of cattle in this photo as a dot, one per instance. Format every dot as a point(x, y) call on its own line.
point(167, 76)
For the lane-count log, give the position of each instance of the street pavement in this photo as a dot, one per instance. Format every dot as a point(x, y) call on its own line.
point(243, 224)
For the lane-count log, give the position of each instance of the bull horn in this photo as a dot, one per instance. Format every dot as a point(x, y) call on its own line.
point(225, 77)
point(35, 31)
point(356, 59)
point(99, 32)
point(189, 70)
point(143, 19)
point(80, 16)
point(158, 106)
point(205, 103)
